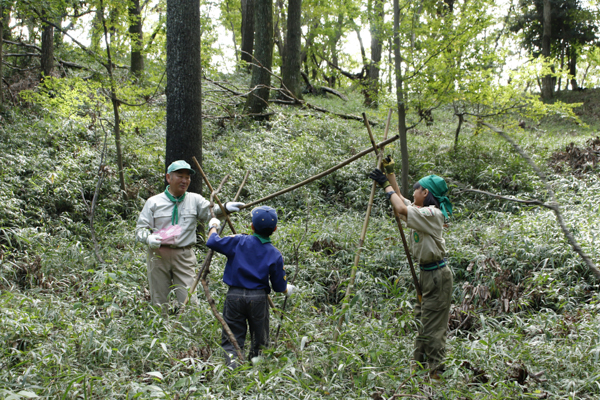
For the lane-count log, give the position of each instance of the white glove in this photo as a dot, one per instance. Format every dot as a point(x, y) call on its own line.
point(233, 206)
point(290, 289)
point(154, 241)
point(214, 223)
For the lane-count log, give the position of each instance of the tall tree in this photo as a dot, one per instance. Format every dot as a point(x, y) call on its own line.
point(400, 101)
point(1, 53)
point(47, 59)
point(184, 90)
point(547, 83)
point(263, 57)
point(292, 57)
point(247, 30)
point(376, 28)
point(137, 37)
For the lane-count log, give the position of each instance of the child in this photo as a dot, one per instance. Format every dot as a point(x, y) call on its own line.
point(426, 217)
point(251, 262)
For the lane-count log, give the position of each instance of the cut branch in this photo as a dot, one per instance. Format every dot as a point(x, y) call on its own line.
point(322, 174)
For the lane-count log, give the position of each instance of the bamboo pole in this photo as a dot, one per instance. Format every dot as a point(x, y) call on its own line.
point(210, 253)
point(363, 233)
point(324, 173)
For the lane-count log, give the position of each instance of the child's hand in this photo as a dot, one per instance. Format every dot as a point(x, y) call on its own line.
point(290, 289)
point(214, 223)
point(380, 178)
point(388, 165)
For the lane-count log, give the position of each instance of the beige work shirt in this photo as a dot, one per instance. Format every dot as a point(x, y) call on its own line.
point(426, 242)
point(157, 213)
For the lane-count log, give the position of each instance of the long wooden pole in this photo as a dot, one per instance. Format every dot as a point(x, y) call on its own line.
point(363, 233)
point(324, 173)
point(210, 252)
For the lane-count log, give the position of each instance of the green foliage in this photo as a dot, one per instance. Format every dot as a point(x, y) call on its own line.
point(75, 327)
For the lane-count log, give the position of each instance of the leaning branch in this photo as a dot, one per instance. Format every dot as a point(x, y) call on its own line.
point(324, 173)
point(553, 204)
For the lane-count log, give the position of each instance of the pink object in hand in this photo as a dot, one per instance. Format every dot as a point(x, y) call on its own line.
point(169, 234)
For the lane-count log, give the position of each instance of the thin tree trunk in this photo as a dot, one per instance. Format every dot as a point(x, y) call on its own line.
point(573, 68)
point(290, 69)
point(400, 101)
point(247, 30)
point(137, 38)
point(235, 46)
point(547, 82)
point(1, 53)
point(47, 59)
point(184, 89)
point(376, 28)
point(115, 104)
point(260, 83)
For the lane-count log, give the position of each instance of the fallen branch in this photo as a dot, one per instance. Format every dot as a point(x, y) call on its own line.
point(324, 173)
point(553, 204)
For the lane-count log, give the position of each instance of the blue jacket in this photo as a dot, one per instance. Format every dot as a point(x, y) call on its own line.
point(250, 263)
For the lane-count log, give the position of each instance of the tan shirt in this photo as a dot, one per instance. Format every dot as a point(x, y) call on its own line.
point(157, 213)
point(426, 242)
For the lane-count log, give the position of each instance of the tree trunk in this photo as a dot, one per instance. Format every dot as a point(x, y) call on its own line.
point(47, 60)
point(1, 53)
point(547, 82)
point(290, 68)
point(400, 100)
point(376, 28)
point(247, 30)
point(263, 53)
point(184, 90)
point(137, 38)
point(573, 67)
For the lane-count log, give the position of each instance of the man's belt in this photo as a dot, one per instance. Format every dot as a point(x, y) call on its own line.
point(172, 246)
point(433, 266)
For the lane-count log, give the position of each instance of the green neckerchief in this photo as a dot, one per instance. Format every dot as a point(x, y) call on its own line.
point(263, 239)
point(176, 200)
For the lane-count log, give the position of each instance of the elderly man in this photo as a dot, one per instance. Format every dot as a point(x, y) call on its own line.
point(167, 225)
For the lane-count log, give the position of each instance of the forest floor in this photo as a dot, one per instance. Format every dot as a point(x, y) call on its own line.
point(525, 320)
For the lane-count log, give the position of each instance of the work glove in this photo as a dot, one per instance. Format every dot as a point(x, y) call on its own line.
point(233, 206)
point(154, 241)
point(380, 178)
point(214, 223)
point(290, 289)
point(388, 165)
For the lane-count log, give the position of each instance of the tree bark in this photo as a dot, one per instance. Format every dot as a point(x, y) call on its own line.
point(573, 67)
point(263, 55)
point(400, 101)
point(184, 90)
point(290, 69)
point(47, 59)
point(376, 28)
point(547, 82)
point(247, 30)
point(1, 53)
point(137, 38)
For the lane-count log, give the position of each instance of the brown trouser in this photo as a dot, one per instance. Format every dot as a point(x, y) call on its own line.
point(432, 315)
point(171, 268)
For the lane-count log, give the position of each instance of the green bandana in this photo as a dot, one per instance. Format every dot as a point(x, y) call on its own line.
point(263, 239)
point(437, 186)
point(176, 200)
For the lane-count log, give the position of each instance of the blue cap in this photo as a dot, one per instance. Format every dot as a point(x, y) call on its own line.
point(178, 165)
point(264, 219)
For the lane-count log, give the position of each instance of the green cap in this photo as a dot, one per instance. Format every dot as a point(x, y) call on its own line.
point(438, 188)
point(178, 165)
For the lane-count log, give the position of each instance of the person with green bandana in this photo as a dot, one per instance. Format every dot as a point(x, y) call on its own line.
point(167, 225)
point(426, 217)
